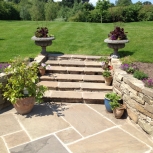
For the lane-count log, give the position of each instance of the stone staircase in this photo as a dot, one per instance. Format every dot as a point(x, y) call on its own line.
point(74, 78)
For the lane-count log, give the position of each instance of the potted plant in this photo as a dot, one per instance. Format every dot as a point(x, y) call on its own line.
point(116, 40)
point(43, 67)
point(21, 88)
point(43, 38)
point(118, 109)
point(108, 77)
point(104, 62)
point(109, 97)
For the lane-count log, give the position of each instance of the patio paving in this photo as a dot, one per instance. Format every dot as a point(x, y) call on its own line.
point(70, 128)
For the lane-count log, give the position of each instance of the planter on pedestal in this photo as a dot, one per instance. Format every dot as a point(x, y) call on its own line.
point(43, 42)
point(115, 45)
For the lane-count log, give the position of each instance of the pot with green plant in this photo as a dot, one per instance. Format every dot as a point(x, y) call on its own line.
point(110, 97)
point(118, 108)
point(107, 76)
point(21, 88)
point(116, 40)
point(104, 62)
point(43, 38)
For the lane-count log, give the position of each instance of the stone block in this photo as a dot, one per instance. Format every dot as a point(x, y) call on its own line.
point(143, 110)
point(149, 108)
point(132, 115)
point(131, 103)
point(146, 127)
point(137, 99)
point(148, 99)
point(117, 91)
point(126, 98)
point(148, 91)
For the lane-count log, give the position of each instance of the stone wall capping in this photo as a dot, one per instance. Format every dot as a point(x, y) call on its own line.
point(148, 91)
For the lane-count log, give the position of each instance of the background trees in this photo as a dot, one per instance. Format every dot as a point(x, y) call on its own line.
point(76, 10)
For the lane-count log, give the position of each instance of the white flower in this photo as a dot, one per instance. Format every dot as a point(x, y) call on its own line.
point(48, 67)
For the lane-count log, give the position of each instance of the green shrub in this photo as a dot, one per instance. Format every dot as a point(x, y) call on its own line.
point(140, 75)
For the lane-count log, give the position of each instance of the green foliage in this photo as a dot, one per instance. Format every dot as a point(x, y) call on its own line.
point(20, 78)
point(106, 73)
point(114, 99)
point(123, 2)
point(140, 75)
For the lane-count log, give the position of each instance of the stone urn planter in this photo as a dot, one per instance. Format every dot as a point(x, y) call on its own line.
point(115, 45)
point(43, 42)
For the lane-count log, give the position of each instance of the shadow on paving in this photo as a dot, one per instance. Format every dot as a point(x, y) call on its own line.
point(48, 108)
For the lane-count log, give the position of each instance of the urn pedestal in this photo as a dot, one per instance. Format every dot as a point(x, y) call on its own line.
point(115, 45)
point(43, 42)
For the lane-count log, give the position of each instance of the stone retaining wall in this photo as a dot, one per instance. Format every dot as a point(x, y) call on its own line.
point(3, 102)
point(137, 97)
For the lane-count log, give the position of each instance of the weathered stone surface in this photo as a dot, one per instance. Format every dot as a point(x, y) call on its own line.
point(117, 91)
point(71, 63)
point(142, 110)
point(135, 92)
point(93, 95)
point(92, 63)
point(2, 146)
point(15, 139)
point(93, 78)
point(112, 141)
point(49, 84)
point(68, 135)
point(132, 115)
point(148, 91)
point(126, 98)
point(136, 85)
point(125, 88)
point(149, 108)
point(43, 120)
point(136, 98)
point(52, 62)
point(146, 127)
point(147, 99)
point(8, 124)
point(48, 144)
point(78, 117)
point(40, 58)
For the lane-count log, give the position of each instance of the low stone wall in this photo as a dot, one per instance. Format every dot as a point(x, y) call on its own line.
point(3, 102)
point(137, 97)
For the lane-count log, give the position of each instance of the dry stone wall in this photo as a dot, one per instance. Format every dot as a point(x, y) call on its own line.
point(137, 97)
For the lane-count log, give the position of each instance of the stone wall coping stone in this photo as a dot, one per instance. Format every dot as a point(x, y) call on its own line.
point(148, 91)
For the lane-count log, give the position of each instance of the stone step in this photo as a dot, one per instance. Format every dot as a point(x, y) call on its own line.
point(77, 86)
point(72, 77)
point(68, 56)
point(74, 63)
point(74, 97)
point(76, 70)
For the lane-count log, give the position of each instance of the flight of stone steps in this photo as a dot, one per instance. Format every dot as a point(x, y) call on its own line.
point(74, 78)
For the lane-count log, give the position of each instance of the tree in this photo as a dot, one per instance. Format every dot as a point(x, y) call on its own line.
point(102, 6)
point(147, 3)
point(123, 2)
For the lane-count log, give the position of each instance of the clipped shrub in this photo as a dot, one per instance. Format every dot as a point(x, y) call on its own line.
point(140, 75)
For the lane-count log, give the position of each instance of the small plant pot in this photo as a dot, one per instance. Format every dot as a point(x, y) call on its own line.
point(24, 105)
point(108, 80)
point(118, 112)
point(42, 71)
point(107, 105)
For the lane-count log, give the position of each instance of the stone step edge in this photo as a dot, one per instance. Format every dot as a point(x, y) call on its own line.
point(71, 96)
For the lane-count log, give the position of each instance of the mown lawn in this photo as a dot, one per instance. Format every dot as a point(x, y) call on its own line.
point(74, 38)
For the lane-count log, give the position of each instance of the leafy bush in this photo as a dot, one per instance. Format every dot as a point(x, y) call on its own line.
point(140, 75)
point(106, 73)
point(129, 68)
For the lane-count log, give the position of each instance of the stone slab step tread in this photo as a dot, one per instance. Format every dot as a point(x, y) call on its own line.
point(74, 63)
point(75, 85)
point(72, 77)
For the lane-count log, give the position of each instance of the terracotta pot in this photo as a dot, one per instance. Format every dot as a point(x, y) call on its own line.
point(118, 112)
point(108, 80)
point(42, 71)
point(24, 105)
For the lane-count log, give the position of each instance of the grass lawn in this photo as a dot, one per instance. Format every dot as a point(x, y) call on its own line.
point(74, 38)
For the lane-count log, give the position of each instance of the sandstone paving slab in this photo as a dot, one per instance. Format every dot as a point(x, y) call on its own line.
point(69, 85)
point(58, 69)
point(68, 135)
point(93, 57)
point(52, 62)
point(92, 63)
point(79, 57)
point(102, 110)
point(95, 86)
point(72, 63)
point(111, 141)
point(49, 144)
point(91, 69)
point(75, 69)
point(49, 84)
point(44, 119)
point(93, 95)
point(93, 78)
point(8, 124)
point(15, 139)
point(86, 121)
point(3, 148)
point(137, 132)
